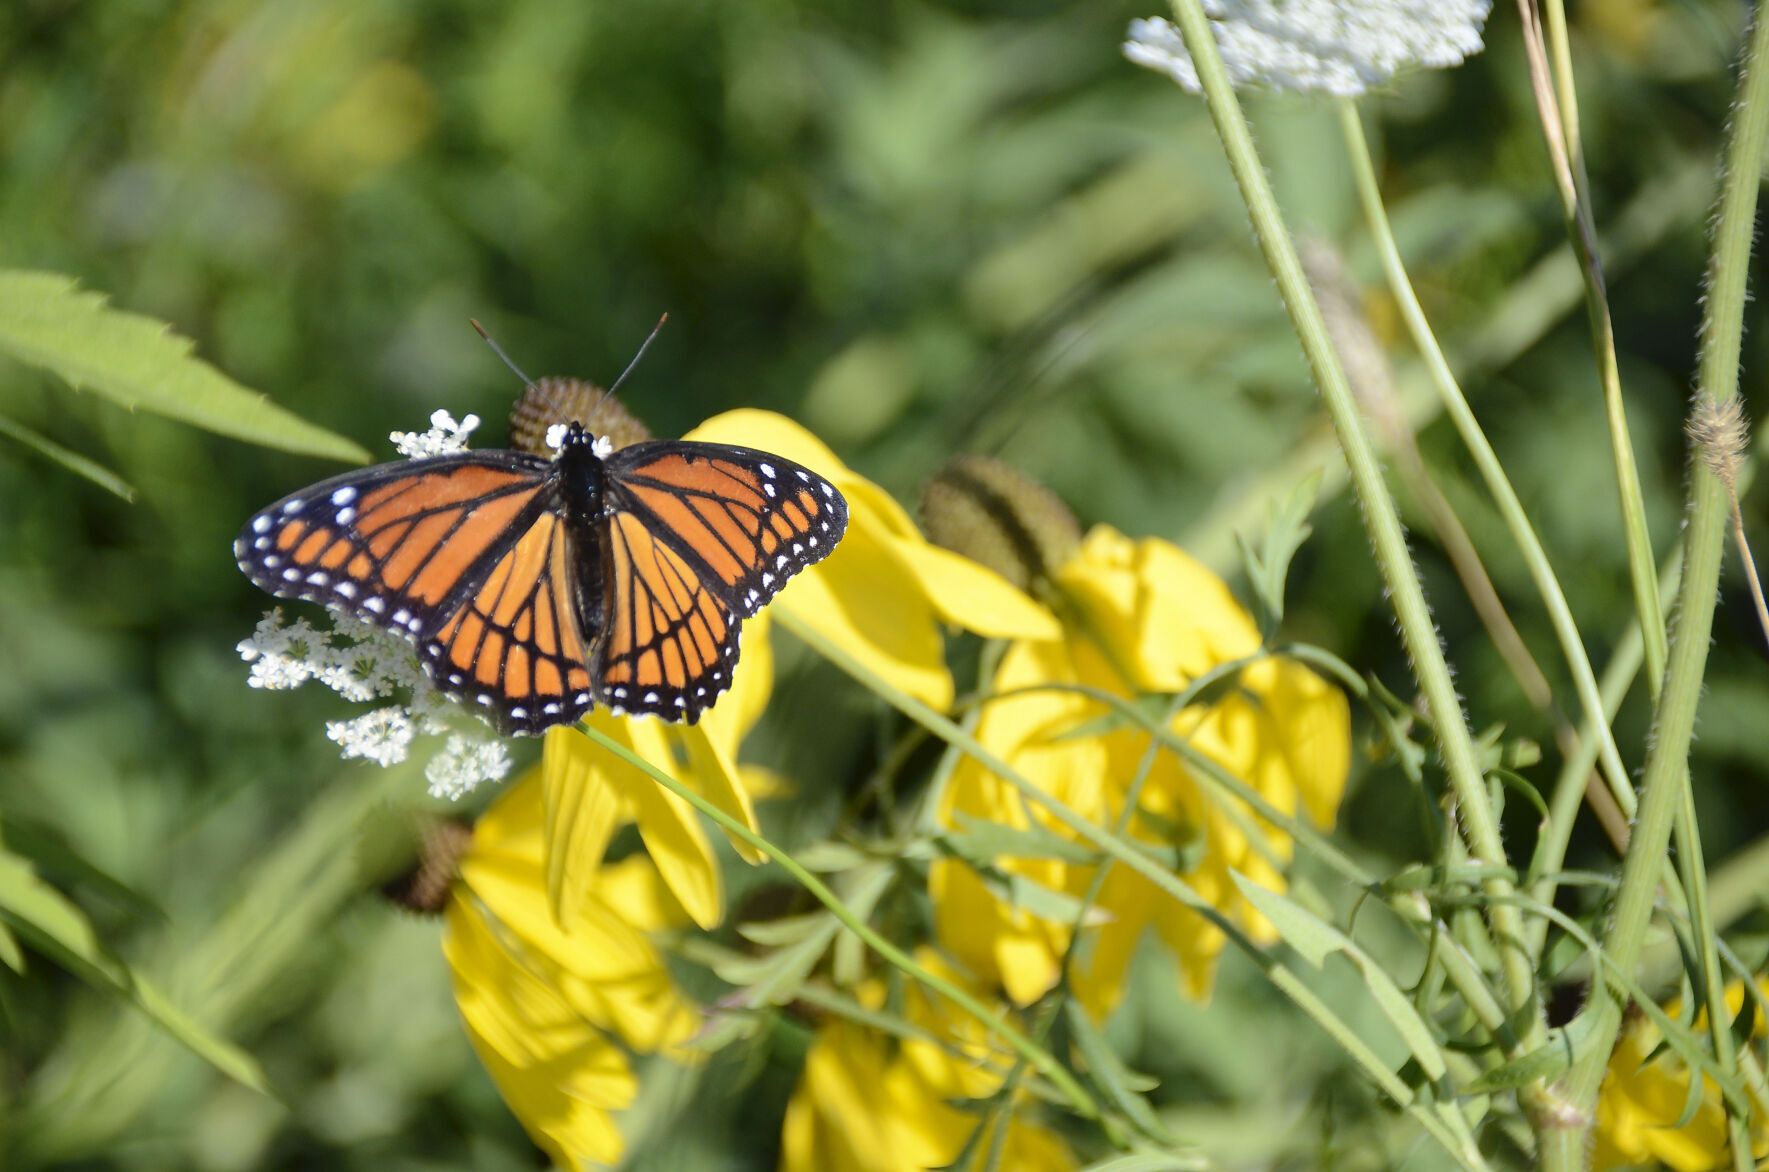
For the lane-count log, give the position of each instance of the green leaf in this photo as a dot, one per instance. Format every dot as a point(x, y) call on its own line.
point(1151, 1162)
point(138, 363)
point(73, 461)
point(60, 930)
point(980, 842)
point(1546, 1061)
point(1286, 529)
point(1121, 1086)
point(829, 857)
point(11, 955)
point(1017, 891)
point(1315, 939)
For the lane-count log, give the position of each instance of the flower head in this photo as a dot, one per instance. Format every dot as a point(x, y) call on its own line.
point(444, 437)
point(887, 594)
point(1140, 617)
point(871, 1103)
point(364, 663)
point(547, 1003)
point(1645, 1094)
point(1338, 47)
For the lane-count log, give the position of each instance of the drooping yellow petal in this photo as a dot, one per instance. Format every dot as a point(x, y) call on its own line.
point(885, 593)
point(560, 1075)
point(713, 774)
point(1165, 616)
point(592, 783)
point(582, 812)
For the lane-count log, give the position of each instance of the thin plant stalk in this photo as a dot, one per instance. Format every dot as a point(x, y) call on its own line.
point(1040, 1058)
point(1674, 719)
point(1517, 521)
point(1475, 812)
point(1439, 1120)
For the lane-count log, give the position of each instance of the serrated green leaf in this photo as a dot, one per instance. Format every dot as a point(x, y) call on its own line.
point(1017, 891)
point(1121, 1086)
point(138, 363)
point(60, 930)
point(73, 461)
point(1286, 529)
point(1315, 940)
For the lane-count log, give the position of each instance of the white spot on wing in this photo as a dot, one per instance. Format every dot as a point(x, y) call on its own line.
point(294, 506)
point(373, 602)
point(344, 496)
point(261, 524)
point(766, 470)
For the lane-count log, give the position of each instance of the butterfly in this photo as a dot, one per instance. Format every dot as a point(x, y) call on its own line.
point(539, 587)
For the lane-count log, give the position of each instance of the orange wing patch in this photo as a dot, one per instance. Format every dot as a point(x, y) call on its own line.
point(670, 643)
point(515, 644)
point(746, 520)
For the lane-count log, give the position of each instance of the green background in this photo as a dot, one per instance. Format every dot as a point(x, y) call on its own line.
point(919, 229)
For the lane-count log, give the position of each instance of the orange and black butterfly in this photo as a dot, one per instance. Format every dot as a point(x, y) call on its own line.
point(538, 588)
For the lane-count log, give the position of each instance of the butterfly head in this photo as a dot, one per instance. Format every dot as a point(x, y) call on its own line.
point(574, 436)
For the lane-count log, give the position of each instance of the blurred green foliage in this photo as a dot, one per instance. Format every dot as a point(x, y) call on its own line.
point(921, 229)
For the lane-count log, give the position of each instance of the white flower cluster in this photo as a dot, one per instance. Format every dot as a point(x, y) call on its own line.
point(363, 663)
point(1338, 47)
point(444, 437)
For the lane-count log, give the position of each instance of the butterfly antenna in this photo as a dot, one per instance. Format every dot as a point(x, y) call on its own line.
point(499, 351)
point(526, 381)
point(643, 346)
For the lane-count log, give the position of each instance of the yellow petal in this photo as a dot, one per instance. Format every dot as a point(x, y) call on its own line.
point(862, 600)
point(714, 776)
point(582, 812)
point(970, 596)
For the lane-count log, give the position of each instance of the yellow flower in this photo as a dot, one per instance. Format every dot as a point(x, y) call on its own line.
point(1644, 1095)
point(544, 1002)
point(884, 596)
point(1140, 616)
point(871, 1103)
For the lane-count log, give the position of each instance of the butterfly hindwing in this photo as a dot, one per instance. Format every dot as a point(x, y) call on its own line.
point(670, 643)
point(516, 645)
point(752, 519)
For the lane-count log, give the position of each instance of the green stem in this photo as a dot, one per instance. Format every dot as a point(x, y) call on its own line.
point(1709, 507)
point(1439, 1120)
point(1493, 473)
point(1040, 1058)
point(1380, 517)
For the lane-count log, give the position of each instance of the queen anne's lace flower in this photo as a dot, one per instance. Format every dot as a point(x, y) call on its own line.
point(363, 663)
point(1338, 47)
point(444, 437)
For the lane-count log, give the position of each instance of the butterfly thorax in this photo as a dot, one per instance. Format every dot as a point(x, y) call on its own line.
point(582, 477)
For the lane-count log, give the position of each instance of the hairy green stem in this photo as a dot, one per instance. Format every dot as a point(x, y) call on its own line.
point(1439, 1120)
point(1493, 473)
point(1674, 720)
point(1475, 812)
